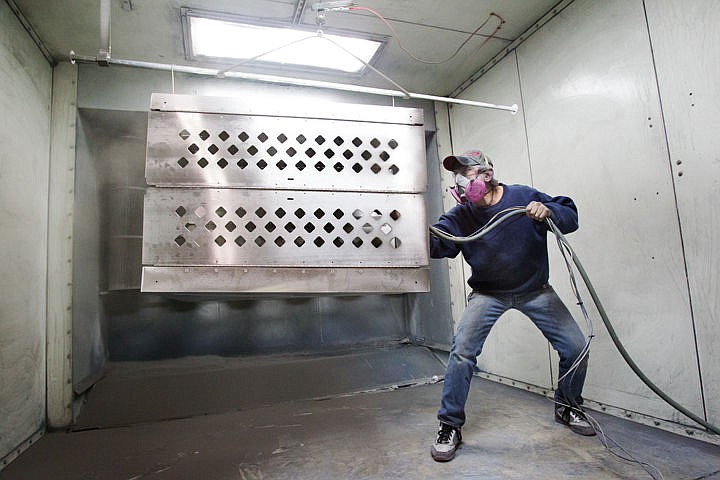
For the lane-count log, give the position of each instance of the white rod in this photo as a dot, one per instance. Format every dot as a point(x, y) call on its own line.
point(105, 27)
point(296, 81)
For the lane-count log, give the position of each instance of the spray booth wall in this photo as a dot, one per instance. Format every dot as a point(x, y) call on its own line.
point(114, 320)
point(618, 111)
point(26, 79)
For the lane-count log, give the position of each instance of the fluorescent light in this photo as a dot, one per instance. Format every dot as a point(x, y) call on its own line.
point(228, 40)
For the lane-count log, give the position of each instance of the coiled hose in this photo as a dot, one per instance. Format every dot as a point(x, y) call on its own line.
point(563, 243)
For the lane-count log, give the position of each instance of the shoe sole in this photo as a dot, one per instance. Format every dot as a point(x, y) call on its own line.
point(443, 457)
point(578, 430)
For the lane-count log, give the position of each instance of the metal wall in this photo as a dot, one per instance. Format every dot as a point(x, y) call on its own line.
point(593, 126)
point(688, 65)
point(26, 79)
point(113, 111)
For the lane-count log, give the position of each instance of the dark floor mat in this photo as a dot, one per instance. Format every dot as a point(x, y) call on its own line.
point(137, 392)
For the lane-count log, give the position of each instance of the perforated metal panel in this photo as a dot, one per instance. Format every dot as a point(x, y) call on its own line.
point(251, 151)
point(294, 200)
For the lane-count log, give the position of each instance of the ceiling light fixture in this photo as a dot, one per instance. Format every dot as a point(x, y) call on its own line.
point(225, 38)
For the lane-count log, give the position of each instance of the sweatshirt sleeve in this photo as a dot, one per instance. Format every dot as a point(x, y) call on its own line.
point(564, 212)
point(440, 248)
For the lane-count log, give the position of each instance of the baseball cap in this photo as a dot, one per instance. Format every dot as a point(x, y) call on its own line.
point(471, 157)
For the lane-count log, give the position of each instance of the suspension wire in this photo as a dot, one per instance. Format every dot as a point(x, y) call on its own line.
point(436, 62)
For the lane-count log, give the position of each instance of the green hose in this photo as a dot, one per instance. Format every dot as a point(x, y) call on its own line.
point(619, 345)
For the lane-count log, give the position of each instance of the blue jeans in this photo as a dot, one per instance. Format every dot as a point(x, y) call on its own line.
point(546, 311)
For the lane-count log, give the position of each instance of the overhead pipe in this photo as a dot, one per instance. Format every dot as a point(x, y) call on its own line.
point(74, 58)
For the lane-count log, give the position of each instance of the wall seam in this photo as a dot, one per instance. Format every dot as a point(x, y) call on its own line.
point(677, 212)
point(532, 182)
point(31, 32)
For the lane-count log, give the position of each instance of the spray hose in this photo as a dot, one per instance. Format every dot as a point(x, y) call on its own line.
point(565, 246)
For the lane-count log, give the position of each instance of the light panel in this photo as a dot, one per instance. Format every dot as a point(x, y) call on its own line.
point(230, 40)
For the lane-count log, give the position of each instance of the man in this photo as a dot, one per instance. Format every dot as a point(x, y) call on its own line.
point(509, 270)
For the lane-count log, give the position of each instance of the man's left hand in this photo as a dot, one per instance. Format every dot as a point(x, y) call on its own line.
point(537, 211)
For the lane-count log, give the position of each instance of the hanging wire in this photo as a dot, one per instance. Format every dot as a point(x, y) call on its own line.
point(395, 35)
point(407, 94)
point(221, 73)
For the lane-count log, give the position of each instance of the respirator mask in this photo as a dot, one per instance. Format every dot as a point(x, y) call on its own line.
point(466, 190)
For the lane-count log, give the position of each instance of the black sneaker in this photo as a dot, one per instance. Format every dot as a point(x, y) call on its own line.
point(575, 419)
point(447, 442)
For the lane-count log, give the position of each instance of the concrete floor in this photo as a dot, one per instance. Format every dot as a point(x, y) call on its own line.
point(368, 414)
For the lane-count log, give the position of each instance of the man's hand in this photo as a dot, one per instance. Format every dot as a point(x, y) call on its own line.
point(537, 211)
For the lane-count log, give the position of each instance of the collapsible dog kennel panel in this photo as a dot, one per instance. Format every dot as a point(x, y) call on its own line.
point(283, 199)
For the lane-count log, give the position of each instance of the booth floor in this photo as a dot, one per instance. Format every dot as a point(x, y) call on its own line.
point(365, 414)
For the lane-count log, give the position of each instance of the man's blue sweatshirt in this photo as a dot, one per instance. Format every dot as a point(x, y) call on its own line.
point(513, 257)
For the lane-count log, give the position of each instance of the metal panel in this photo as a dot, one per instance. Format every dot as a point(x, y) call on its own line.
point(328, 111)
point(688, 66)
point(302, 186)
point(281, 152)
point(285, 280)
point(60, 246)
point(283, 228)
point(595, 133)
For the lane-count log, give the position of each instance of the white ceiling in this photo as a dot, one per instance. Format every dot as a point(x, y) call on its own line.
point(151, 31)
